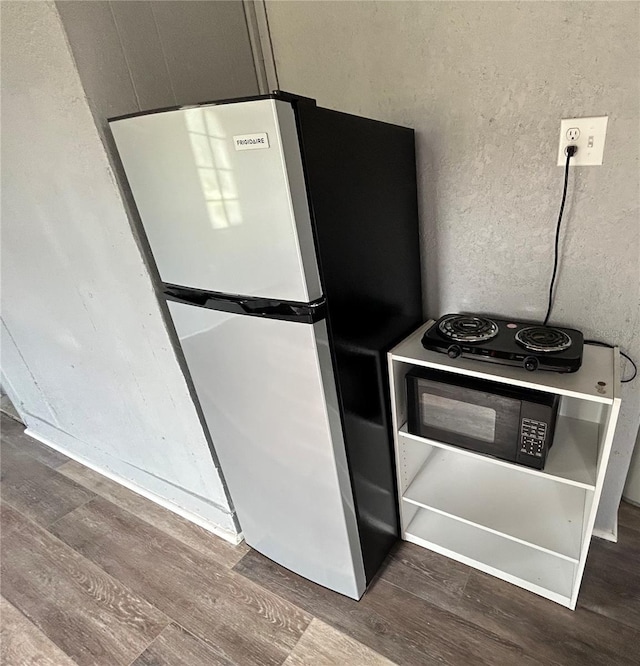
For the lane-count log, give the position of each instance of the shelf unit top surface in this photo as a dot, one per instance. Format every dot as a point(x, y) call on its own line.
point(594, 381)
point(523, 508)
point(572, 459)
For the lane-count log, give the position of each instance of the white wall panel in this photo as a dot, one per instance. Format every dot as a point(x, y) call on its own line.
point(92, 361)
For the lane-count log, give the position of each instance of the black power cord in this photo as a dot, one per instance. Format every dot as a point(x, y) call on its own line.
point(635, 369)
point(570, 151)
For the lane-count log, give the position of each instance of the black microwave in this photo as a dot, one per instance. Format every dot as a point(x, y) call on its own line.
point(500, 420)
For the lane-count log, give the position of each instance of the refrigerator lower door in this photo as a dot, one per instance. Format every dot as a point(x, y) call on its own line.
point(268, 394)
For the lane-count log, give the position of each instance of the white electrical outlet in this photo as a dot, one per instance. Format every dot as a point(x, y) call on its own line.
point(588, 135)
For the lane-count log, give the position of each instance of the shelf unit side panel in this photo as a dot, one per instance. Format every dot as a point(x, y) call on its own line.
point(397, 372)
point(413, 458)
point(588, 508)
point(608, 431)
point(409, 513)
point(578, 408)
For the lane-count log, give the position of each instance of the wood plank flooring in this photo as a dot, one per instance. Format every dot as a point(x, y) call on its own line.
point(22, 643)
point(94, 574)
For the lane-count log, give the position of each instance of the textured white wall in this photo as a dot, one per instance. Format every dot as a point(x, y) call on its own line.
point(485, 85)
point(85, 350)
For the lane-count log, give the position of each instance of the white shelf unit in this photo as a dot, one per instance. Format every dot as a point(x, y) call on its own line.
point(529, 527)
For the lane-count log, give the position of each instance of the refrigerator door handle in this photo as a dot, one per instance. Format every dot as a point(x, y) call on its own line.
point(307, 313)
point(185, 296)
point(258, 304)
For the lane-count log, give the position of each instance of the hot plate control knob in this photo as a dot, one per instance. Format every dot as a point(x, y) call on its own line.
point(454, 351)
point(530, 363)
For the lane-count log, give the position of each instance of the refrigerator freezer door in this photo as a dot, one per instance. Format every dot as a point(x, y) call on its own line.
point(221, 194)
point(268, 395)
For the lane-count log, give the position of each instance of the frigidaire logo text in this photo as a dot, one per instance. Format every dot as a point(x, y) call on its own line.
point(244, 142)
point(251, 141)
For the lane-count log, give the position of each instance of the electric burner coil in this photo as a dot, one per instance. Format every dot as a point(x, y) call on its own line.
point(543, 339)
point(467, 328)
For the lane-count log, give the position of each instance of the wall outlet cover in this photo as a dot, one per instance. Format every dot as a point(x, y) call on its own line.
point(588, 134)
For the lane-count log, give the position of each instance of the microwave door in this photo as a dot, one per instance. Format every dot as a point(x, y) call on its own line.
point(472, 419)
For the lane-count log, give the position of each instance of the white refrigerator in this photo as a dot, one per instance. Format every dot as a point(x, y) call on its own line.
point(223, 199)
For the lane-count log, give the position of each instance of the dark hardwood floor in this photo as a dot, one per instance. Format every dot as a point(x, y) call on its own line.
point(95, 574)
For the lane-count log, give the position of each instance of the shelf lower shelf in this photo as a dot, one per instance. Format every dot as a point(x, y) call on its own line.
point(534, 570)
point(572, 459)
point(524, 508)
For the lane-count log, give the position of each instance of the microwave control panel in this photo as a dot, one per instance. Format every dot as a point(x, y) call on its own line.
point(533, 435)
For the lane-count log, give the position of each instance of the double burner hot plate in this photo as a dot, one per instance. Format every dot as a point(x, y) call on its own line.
point(510, 343)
